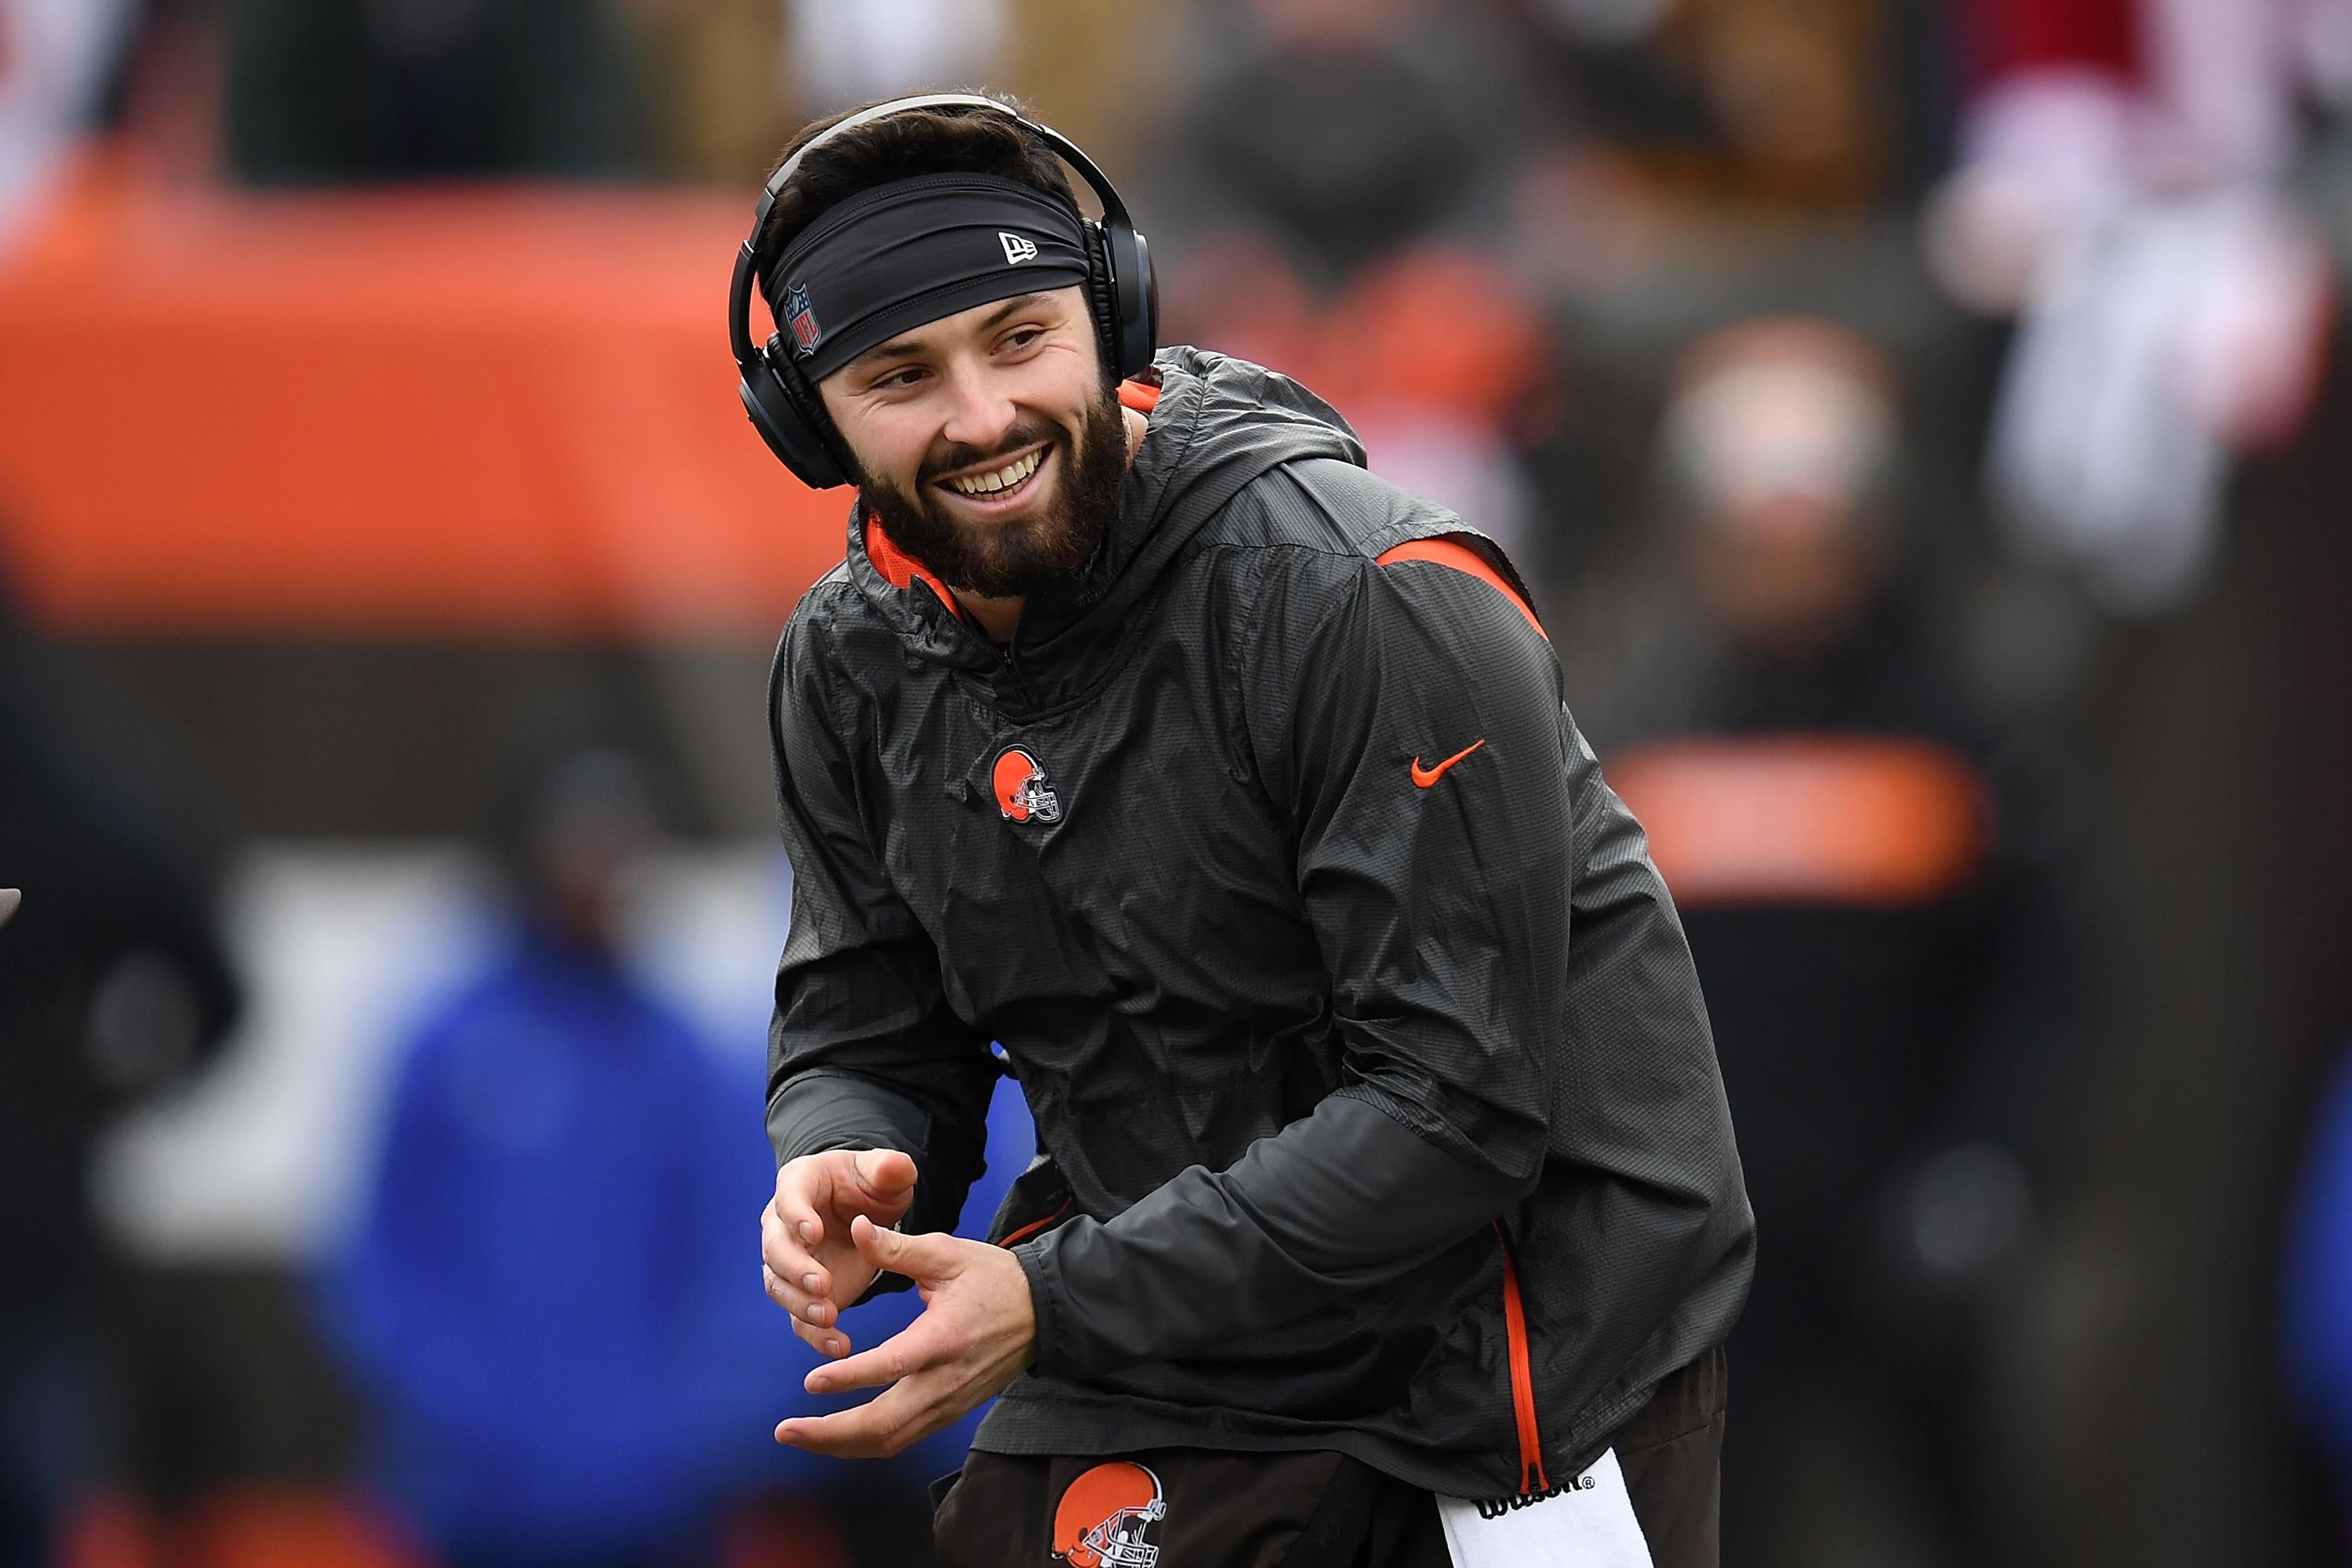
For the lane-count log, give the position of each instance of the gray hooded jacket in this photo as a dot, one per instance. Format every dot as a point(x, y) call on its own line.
point(1375, 1098)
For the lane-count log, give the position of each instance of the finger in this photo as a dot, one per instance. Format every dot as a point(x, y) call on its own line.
point(919, 1258)
point(887, 1175)
point(829, 1342)
point(892, 1422)
point(794, 1267)
point(844, 1435)
point(819, 1311)
point(918, 1348)
point(803, 1190)
point(878, 1429)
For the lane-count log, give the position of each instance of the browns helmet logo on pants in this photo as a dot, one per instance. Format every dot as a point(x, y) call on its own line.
point(1108, 1518)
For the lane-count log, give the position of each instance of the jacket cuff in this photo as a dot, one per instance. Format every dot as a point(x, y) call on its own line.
point(819, 1110)
point(1059, 1350)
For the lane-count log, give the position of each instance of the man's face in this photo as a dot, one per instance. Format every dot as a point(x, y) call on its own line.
point(989, 443)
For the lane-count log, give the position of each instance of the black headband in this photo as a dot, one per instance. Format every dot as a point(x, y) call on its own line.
point(909, 252)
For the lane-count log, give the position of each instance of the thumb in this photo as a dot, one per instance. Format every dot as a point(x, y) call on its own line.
point(917, 1257)
point(885, 1173)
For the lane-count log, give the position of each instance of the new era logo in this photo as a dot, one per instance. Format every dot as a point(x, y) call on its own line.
point(1018, 248)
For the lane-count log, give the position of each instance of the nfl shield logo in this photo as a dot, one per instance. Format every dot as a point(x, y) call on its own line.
point(802, 320)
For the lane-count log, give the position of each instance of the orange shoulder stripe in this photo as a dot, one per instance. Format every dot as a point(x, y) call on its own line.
point(1135, 395)
point(1453, 552)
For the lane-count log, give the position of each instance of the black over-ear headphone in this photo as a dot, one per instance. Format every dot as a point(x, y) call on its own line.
point(785, 409)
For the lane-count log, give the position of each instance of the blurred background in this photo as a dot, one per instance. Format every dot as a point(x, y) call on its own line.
point(1924, 422)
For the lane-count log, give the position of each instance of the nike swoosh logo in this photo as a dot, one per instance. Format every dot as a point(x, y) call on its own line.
point(1425, 777)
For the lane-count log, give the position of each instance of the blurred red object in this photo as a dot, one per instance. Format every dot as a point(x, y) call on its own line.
point(245, 1528)
point(1438, 327)
point(488, 411)
point(1854, 819)
point(783, 1533)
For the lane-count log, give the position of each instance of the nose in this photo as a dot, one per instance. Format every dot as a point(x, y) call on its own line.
point(980, 415)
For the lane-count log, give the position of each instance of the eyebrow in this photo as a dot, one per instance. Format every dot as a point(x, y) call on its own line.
point(899, 347)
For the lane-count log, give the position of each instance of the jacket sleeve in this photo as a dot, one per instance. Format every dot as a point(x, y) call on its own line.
point(1407, 721)
point(864, 1052)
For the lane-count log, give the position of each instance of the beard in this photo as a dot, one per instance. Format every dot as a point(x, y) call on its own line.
point(1013, 556)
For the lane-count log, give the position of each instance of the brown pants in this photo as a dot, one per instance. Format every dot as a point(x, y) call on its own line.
point(1204, 1509)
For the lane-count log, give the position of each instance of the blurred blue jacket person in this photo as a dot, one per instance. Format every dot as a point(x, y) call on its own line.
point(529, 1295)
point(544, 1298)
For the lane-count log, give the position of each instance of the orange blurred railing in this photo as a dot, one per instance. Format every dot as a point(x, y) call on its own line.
point(502, 412)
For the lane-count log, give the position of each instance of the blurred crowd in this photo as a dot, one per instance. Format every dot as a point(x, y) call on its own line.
point(1922, 422)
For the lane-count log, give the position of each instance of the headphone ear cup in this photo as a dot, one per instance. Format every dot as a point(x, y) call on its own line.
point(1139, 337)
point(783, 421)
point(1125, 295)
point(1101, 301)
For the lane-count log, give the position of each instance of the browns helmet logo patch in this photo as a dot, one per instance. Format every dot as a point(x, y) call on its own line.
point(1109, 1518)
point(1022, 791)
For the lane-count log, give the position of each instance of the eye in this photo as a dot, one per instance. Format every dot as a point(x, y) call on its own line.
point(1022, 337)
point(900, 380)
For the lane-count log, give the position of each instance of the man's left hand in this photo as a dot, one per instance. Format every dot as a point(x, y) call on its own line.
point(977, 1332)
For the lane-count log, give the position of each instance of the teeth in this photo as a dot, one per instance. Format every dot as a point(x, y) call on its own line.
point(1003, 479)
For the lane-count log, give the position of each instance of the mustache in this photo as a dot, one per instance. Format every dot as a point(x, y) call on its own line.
point(1020, 438)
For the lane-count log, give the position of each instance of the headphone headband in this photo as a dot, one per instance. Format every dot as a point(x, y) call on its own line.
point(1069, 152)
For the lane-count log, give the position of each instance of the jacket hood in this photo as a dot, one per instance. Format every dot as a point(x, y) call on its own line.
point(1220, 423)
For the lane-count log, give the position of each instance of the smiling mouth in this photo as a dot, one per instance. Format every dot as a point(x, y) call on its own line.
point(1003, 483)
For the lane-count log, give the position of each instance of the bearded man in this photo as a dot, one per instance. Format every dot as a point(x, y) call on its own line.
point(1387, 1209)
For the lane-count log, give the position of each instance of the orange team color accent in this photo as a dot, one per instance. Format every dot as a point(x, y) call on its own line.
point(1010, 777)
point(1828, 819)
point(1425, 777)
point(1017, 1237)
point(1532, 1478)
point(1104, 1515)
point(900, 569)
point(1453, 552)
point(492, 411)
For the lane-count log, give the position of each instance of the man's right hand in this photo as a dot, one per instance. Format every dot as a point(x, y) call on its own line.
point(812, 1269)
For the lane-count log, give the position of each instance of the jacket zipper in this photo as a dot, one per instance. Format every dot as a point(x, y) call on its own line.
point(1532, 1478)
point(1019, 680)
